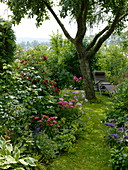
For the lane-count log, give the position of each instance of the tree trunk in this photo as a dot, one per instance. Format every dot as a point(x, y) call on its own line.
point(87, 80)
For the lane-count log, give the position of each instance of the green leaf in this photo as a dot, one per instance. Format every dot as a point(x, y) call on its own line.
point(30, 161)
point(16, 153)
point(22, 161)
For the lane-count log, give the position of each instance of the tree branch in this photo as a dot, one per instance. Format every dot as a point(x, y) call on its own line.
point(107, 34)
point(96, 37)
point(81, 21)
point(59, 22)
point(123, 16)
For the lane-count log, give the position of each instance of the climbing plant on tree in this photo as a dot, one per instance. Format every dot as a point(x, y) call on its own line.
point(86, 13)
point(7, 43)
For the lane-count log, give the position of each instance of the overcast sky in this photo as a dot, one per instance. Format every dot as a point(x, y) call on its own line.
point(27, 27)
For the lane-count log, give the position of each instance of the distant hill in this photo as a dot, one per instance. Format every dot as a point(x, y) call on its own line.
point(25, 39)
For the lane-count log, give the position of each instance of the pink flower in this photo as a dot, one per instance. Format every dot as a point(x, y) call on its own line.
point(75, 78)
point(45, 116)
point(73, 101)
point(54, 121)
point(61, 102)
point(36, 117)
point(80, 78)
point(54, 117)
point(51, 124)
point(72, 106)
point(66, 105)
point(55, 129)
point(40, 121)
point(58, 125)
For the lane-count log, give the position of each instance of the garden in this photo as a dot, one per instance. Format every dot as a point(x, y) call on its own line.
point(46, 120)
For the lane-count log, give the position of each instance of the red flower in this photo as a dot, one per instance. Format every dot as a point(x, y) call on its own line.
point(33, 82)
point(56, 89)
point(6, 90)
point(44, 82)
point(28, 78)
point(45, 58)
point(22, 61)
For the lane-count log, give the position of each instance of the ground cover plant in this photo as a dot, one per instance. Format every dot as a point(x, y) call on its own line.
point(117, 122)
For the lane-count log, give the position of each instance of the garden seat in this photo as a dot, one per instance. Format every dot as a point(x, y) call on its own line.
point(102, 84)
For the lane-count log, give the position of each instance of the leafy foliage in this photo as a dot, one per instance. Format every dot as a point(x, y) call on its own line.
point(7, 43)
point(117, 120)
point(12, 157)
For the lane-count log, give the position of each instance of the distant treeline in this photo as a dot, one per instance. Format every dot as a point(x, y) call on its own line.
point(34, 43)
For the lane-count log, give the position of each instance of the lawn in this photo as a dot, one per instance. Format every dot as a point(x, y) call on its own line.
point(91, 152)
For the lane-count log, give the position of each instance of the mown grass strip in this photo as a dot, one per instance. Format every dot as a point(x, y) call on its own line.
point(91, 150)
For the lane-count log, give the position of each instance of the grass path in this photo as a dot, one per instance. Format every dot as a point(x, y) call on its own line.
point(91, 151)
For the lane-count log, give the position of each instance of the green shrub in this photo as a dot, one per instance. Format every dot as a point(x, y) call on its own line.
point(117, 120)
point(7, 43)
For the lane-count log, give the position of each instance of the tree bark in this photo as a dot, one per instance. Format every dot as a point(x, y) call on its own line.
point(87, 79)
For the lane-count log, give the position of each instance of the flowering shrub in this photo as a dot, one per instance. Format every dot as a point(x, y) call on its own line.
point(47, 124)
point(32, 111)
point(117, 121)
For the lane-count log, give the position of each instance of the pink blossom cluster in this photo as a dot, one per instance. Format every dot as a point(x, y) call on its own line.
point(77, 79)
point(47, 121)
point(70, 104)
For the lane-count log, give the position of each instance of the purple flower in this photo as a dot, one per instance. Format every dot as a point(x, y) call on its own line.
point(83, 95)
point(109, 124)
point(89, 118)
point(61, 98)
point(79, 104)
point(127, 118)
point(86, 100)
point(76, 92)
point(122, 129)
point(114, 135)
point(118, 141)
point(66, 95)
point(125, 137)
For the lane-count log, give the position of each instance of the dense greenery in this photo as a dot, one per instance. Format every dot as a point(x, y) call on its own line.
point(7, 43)
point(34, 114)
point(43, 114)
point(85, 14)
point(117, 120)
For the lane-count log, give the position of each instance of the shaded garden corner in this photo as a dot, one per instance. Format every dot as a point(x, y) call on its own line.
point(91, 152)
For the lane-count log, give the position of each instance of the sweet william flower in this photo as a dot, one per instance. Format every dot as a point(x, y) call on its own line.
point(39, 121)
point(36, 117)
point(55, 129)
point(54, 121)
